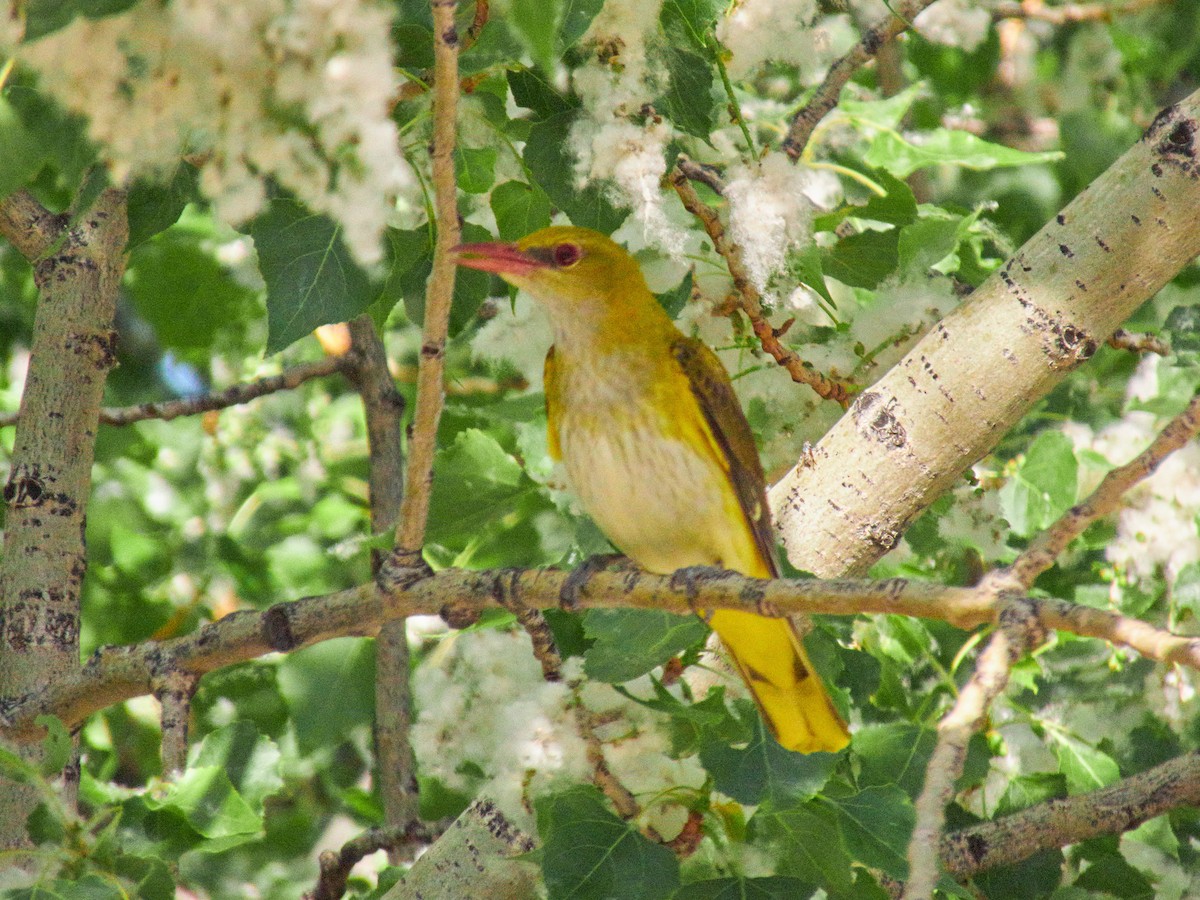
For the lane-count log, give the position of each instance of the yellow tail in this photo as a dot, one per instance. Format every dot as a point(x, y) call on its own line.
point(788, 690)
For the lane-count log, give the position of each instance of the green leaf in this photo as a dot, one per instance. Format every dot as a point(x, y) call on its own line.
point(590, 854)
point(888, 112)
point(183, 291)
point(531, 91)
point(414, 46)
point(56, 746)
point(329, 689)
point(476, 169)
point(251, 760)
point(155, 206)
point(893, 754)
point(630, 642)
point(888, 150)
point(690, 21)
point(876, 824)
point(864, 259)
point(311, 278)
point(1025, 791)
point(688, 100)
point(1113, 876)
point(21, 152)
point(210, 804)
point(1084, 767)
point(809, 842)
point(775, 887)
point(520, 209)
point(576, 17)
point(806, 266)
point(1183, 326)
point(764, 770)
point(549, 158)
point(674, 300)
point(926, 242)
point(151, 878)
point(1044, 485)
point(536, 25)
point(475, 483)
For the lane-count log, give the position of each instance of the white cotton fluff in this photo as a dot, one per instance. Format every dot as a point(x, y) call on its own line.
point(225, 83)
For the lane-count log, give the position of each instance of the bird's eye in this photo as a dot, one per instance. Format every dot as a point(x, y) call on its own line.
point(566, 255)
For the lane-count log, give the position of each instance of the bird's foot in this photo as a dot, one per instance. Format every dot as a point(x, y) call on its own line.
point(576, 581)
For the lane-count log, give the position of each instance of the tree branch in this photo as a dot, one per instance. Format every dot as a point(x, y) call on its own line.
point(1019, 632)
point(830, 90)
point(751, 300)
point(287, 380)
point(29, 226)
point(113, 674)
point(46, 496)
point(335, 867)
point(1138, 343)
point(383, 410)
point(1114, 809)
point(1105, 499)
point(427, 411)
point(1070, 13)
point(905, 440)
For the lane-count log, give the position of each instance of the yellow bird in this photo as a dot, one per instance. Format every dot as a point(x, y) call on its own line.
point(655, 444)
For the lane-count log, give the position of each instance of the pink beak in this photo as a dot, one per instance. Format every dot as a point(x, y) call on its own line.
point(498, 257)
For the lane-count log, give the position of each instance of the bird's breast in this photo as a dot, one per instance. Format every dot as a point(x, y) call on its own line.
point(645, 475)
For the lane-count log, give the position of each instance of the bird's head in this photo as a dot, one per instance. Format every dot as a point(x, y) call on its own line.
point(566, 268)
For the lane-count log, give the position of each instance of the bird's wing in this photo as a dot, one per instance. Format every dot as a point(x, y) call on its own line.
point(553, 406)
point(710, 386)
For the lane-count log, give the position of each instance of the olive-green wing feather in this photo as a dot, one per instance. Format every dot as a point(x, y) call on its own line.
point(713, 392)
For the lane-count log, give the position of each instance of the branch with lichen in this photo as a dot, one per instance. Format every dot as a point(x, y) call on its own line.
point(749, 297)
point(826, 96)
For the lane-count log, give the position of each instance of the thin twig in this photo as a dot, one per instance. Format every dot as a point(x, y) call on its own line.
point(1070, 13)
point(287, 380)
point(1139, 342)
point(427, 411)
point(751, 300)
point(546, 652)
point(1018, 632)
point(335, 866)
point(826, 96)
point(113, 674)
point(174, 692)
point(1106, 498)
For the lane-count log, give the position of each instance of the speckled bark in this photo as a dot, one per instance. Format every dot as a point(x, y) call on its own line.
point(908, 437)
point(77, 267)
point(474, 858)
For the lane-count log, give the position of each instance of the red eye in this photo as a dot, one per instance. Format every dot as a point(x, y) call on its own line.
point(566, 255)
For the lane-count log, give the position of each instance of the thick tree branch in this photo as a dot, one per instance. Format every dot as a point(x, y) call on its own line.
point(113, 674)
point(907, 438)
point(830, 90)
point(1114, 809)
point(77, 269)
